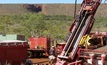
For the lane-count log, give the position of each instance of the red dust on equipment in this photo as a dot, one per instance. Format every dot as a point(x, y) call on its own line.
point(81, 26)
point(38, 46)
point(13, 52)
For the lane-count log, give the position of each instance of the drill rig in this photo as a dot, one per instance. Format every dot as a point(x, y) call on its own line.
point(81, 26)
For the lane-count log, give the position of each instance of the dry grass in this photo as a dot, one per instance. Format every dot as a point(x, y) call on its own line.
point(49, 9)
point(68, 9)
point(11, 9)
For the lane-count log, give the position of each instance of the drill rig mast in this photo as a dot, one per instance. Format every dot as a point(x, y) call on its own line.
point(81, 26)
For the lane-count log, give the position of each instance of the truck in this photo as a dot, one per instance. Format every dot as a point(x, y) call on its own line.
point(13, 49)
point(13, 52)
point(38, 46)
point(72, 54)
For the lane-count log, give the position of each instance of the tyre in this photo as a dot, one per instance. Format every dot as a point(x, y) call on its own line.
point(36, 54)
point(30, 54)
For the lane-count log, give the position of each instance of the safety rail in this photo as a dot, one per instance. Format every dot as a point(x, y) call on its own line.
point(94, 57)
point(14, 44)
point(76, 63)
point(87, 52)
point(82, 51)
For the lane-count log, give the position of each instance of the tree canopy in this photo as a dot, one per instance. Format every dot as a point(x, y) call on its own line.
point(36, 24)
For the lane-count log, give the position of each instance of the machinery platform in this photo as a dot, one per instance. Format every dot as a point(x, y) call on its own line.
point(102, 48)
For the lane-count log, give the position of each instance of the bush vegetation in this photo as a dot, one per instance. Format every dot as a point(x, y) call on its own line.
point(35, 24)
point(38, 24)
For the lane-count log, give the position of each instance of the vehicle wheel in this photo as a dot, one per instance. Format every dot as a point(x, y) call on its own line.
point(30, 54)
point(36, 55)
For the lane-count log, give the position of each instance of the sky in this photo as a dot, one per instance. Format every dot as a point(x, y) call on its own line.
point(40, 1)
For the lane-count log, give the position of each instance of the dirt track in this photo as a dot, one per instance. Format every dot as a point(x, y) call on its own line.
point(36, 60)
point(40, 61)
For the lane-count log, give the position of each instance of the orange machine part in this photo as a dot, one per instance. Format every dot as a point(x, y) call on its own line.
point(38, 43)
